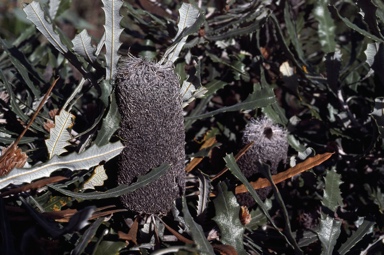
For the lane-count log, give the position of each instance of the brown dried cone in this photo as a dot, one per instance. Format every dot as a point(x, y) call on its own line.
point(270, 146)
point(12, 157)
point(152, 129)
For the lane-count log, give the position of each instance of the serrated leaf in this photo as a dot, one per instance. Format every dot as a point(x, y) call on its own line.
point(328, 233)
point(196, 231)
point(53, 8)
point(261, 97)
point(364, 228)
point(97, 179)
point(370, 52)
point(74, 161)
point(189, 22)
point(111, 123)
point(82, 45)
point(36, 15)
point(118, 191)
point(355, 27)
point(326, 28)
point(203, 198)
point(227, 218)
point(332, 194)
point(59, 135)
point(112, 34)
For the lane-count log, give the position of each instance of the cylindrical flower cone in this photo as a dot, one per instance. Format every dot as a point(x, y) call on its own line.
point(152, 129)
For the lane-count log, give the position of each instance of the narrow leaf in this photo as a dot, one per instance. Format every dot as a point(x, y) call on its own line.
point(118, 191)
point(234, 168)
point(328, 233)
point(36, 15)
point(227, 218)
point(91, 157)
point(112, 34)
point(259, 98)
point(355, 27)
point(332, 194)
point(362, 230)
point(197, 232)
point(59, 135)
point(326, 29)
point(82, 45)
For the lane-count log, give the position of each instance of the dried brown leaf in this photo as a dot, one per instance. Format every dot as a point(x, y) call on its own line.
point(277, 178)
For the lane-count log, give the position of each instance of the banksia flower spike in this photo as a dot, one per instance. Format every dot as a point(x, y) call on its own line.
point(270, 146)
point(152, 129)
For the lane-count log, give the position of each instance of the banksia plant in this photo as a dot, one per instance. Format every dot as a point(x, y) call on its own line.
point(152, 129)
point(270, 146)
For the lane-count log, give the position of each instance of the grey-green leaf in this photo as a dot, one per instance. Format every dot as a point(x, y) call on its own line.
point(74, 161)
point(197, 232)
point(328, 233)
point(59, 135)
point(326, 29)
point(332, 194)
point(227, 218)
point(189, 22)
point(36, 15)
point(261, 97)
point(82, 45)
point(365, 228)
point(112, 34)
point(119, 190)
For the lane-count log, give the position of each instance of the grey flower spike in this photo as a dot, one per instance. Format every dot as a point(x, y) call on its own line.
point(270, 146)
point(152, 129)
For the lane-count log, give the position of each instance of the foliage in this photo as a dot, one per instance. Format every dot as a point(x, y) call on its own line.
point(314, 67)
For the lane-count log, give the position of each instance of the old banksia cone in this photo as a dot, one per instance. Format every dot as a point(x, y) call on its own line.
point(152, 129)
point(270, 146)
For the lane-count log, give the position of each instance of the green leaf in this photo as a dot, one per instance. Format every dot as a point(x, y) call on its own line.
point(59, 135)
point(74, 161)
point(326, 29)
point(355, 27)
point(261, 97)
point(86, 238)
point(332, 194)
point(112, 34)
point(37, 16)
point(328, 233)
point(227, 218)
point(258, 218)
point(119, 190)
point(235, 170)
point(292, 32)
point(197, 232)
point(110, 124)
point(110, 247)
point(364, 228)
point(82, 45)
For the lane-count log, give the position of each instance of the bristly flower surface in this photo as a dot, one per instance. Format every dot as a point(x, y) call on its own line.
point(152, 129)
point(270, 146)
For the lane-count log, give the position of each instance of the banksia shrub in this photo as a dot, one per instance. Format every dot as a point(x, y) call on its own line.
point(152, 129)
point(270, 146)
